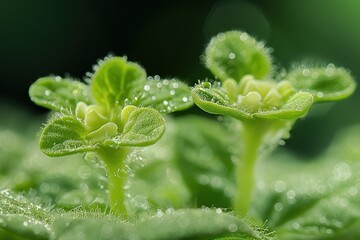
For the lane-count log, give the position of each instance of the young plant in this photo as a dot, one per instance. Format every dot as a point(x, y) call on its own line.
point(265, 108)
point(118, 111)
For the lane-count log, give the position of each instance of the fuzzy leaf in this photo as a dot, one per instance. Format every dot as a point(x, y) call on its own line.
point(325, 84)
point(65, 135)
point(114, 79)
point(180, 224)
point(23, 218)
point(166, 96)
point(59, 94)
point(215, 101)
point(297, 106)
point(235, 54)
point(144, 126)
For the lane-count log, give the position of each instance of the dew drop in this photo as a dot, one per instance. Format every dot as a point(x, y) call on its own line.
point(342, 172)
point(159, 213)
point(206, 85)
point(296, 226)
point(330, 70)
point(353, 191)
point(47, 92)
point(58, 79)
point(172, 92)
point(165, 82)
point(306, 72)
point(185, 99)
point(165, 102)
point(169, 211)
point(291, 194)
point(233, 227)
point(244, 36)
point(216, 182)
point(147, 87)
point(218, 211)
point(157, 77)
point(175, 85)
point(320, 95)
point(278, 207)
point(280, 186)
point(203, 179)
point(153, 98)
point(232, 55)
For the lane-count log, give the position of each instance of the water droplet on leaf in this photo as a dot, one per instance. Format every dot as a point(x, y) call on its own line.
point(232, 56)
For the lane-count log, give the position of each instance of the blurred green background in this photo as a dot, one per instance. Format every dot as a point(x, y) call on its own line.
point(43, 37)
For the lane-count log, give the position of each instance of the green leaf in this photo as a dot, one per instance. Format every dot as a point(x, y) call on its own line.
point(59, 94)
point(214, 100)
point(114, 79)
point(143, 126)
point(297, 106)
point(23, 218)
point(310, 200)
point(166, 96)
point(65, 135)
point(325, 84)
point(235, 54)
point(180, 224)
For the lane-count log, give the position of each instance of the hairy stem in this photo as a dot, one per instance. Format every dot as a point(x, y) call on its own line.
point(115, 166)
point(252, 136)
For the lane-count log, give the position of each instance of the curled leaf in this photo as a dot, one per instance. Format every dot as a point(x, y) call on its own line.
point(235, 54)
point(217, 100)
point(325, 84)
point(297, 106)
point(59, 94)
point(63, 136)
point(214, 101)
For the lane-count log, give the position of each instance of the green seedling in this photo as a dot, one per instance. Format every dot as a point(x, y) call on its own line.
point(118, 111)
point(265, 108)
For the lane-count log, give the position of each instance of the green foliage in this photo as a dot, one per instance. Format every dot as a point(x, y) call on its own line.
point(60, 94)
point(201, 179)
point(325, 84)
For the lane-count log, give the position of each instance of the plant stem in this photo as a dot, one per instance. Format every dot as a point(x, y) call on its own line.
point(115, 166)
point(252, 136)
